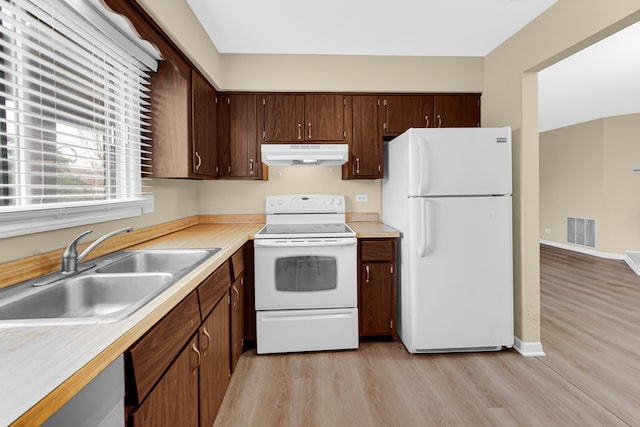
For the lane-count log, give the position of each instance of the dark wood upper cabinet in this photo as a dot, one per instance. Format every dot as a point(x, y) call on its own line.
point(401, 112)
point(365, 145)
point(302, 118)
point(244, 156)
point(223, 111)
point(170, 130)
point(407, 111)
point(453, 111)
point(238, 143)
point(203, 122)
point(324, 117)
point(283, 118)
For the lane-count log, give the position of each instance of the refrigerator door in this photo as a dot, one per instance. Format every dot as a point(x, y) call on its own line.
point(459, 161)
point(460, 274)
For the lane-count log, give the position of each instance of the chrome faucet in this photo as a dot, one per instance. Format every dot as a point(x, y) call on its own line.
point(70, 257)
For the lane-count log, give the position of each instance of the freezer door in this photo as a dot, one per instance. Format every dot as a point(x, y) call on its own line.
point(459, 161)
point(460, 273)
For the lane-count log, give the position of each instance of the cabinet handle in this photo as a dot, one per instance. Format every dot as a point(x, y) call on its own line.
point(357, 165)
point(309, 130)
point(199, 161)
point(439, 121)
point(299, 130)
point(250, 166)
point(206, 334)
point(368, 274)
point(237, 294)
point(229, 170)
point(427, 120)
point(197, 352)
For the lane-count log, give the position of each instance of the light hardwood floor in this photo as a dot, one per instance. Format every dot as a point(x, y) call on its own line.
point(590, 376)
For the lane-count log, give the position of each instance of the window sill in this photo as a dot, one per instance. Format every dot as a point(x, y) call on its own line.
point(21, 222)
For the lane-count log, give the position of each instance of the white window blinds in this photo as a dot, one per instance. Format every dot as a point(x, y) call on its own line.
point(73, 114)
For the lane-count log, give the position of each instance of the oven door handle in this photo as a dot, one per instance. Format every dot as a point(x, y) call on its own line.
point(306, 243)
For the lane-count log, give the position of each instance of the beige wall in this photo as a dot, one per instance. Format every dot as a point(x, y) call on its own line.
point(351, 73)
point(586, 171)
point(510, 98)
point(223, 197)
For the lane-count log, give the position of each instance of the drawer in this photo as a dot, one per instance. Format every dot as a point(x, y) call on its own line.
point(377, 250)
point(237, 264)
point(148, 358)
point(213, 288)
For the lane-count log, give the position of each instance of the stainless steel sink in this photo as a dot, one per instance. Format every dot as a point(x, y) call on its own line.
point(147, 261)
point(114, 288)
point(90, 298)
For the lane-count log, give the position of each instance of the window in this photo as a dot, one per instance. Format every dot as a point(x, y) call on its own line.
point(73, 133)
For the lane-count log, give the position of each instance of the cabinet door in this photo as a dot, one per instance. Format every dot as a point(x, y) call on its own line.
point(366, 142)
point(152, 354)
point(283, 118)
point(174, 400)
point(376, 309)
point(237, 320)
point(203, 119)
point(170, 122)
point(214, 368)
point(243, 141)
point(408, 111)
point(223, 168)
point(457, 111)
point(324, 117)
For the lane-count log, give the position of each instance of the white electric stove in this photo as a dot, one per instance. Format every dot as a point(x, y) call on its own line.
point(305, 276)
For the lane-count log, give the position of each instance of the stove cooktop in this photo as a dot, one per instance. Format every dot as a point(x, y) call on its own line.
point(274, 231)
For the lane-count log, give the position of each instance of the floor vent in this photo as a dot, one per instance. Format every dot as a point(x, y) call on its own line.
point(581, 231)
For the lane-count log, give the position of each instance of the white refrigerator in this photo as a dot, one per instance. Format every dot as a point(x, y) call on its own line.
point(448, 192)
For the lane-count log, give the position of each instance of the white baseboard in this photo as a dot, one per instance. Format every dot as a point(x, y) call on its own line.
point(607, 255)
point(528, 349)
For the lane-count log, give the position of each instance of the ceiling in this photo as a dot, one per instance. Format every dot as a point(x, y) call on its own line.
point(364, 27)
point(600, 81)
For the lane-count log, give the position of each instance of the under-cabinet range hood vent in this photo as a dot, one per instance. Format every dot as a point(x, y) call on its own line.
point(304, 154)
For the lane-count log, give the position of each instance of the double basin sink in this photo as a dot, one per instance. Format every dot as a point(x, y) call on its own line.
point(114, 287)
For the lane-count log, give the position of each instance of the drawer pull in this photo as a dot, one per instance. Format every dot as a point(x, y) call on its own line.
point(368, 273)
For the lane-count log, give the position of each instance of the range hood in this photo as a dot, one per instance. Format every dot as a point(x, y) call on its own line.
point(304, 154)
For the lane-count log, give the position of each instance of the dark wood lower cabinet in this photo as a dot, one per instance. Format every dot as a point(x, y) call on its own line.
point(177, 374)
point(214, 367)
point(377, 287)
point(174, 400)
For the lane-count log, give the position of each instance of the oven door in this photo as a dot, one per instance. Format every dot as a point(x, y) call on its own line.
point(305, 273)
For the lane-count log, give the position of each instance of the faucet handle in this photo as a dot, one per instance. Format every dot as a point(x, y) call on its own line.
point(69, 257)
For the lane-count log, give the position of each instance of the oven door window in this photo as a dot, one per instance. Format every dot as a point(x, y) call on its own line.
point(306, 273)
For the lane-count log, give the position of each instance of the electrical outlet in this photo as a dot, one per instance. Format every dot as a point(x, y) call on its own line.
point(362, 197)
point(547, 231)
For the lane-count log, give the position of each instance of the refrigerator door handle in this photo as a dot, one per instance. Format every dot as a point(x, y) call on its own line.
point(422, 248)
point(421, 167)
